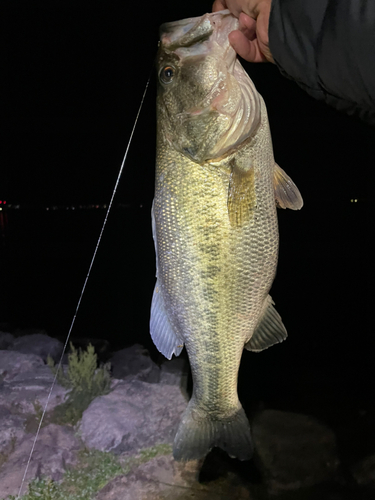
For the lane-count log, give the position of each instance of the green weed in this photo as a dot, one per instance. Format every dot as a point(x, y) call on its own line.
point(85, 380)
point(93, 471)
point(40, 489)
point(145, 455)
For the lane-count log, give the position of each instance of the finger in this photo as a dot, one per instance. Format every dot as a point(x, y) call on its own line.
point(262, 35)
point(247, 21)
point(247, 26)
point(245, 48)
point(232, 5)
point(219, 5)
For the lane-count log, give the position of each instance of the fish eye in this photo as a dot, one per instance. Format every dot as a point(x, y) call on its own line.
point(166, 74)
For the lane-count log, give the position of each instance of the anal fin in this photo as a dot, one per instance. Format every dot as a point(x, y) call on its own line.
point(270, 329)
point(287, 194)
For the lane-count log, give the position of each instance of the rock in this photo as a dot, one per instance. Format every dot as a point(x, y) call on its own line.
point(134, 361)
point(295, 454)
point(175, 372)
point(293, 451)
point(14, 363)
point(162, 478)
point(40, 344)
point(6, 339)
point(134, 415)
point(26, 382)
point(11, 431)
point(56, 448)
point(364, 471)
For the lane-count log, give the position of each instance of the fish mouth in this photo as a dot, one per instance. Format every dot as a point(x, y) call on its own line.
point(186, 37)
point(188, 32)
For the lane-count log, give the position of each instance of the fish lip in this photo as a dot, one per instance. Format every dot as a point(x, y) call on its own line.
point(185, 32)
point(177, 36)
point(170, 26)
point(189, 31)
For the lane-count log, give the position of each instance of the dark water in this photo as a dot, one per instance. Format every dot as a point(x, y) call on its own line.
point(323, 290)
point(45, 260)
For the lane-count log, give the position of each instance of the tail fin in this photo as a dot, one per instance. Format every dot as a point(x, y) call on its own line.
point(199, 432)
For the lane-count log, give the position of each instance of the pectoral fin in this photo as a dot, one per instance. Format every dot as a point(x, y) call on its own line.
point(162, 333)
point(241, 196)
point(287, 194)
point(270, 329)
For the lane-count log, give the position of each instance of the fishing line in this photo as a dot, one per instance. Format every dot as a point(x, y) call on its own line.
point(84, 286)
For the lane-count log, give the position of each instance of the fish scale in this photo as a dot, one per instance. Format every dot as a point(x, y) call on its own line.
point(215, 231)
point(198, 239)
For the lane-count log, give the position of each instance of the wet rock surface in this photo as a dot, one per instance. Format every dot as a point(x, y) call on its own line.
point(293, 451)
point(364, 471)
point(164, 478)
point(134, 361)
point(297, 457)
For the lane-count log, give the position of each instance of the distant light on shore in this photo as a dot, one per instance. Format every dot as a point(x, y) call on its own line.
point(82, 207)
point(27, 206)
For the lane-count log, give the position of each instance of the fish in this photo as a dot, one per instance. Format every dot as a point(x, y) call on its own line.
point(215, 229)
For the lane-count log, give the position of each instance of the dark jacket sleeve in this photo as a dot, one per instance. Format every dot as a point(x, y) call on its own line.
point(328, 48)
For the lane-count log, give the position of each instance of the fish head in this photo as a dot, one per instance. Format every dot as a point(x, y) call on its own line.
point(207, 104)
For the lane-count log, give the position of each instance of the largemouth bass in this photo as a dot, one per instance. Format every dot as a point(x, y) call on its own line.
point(214, 226)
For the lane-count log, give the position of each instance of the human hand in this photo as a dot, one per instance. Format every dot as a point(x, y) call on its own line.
point(250, 41)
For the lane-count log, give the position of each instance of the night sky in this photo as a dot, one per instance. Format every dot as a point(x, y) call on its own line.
point(73, 77)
